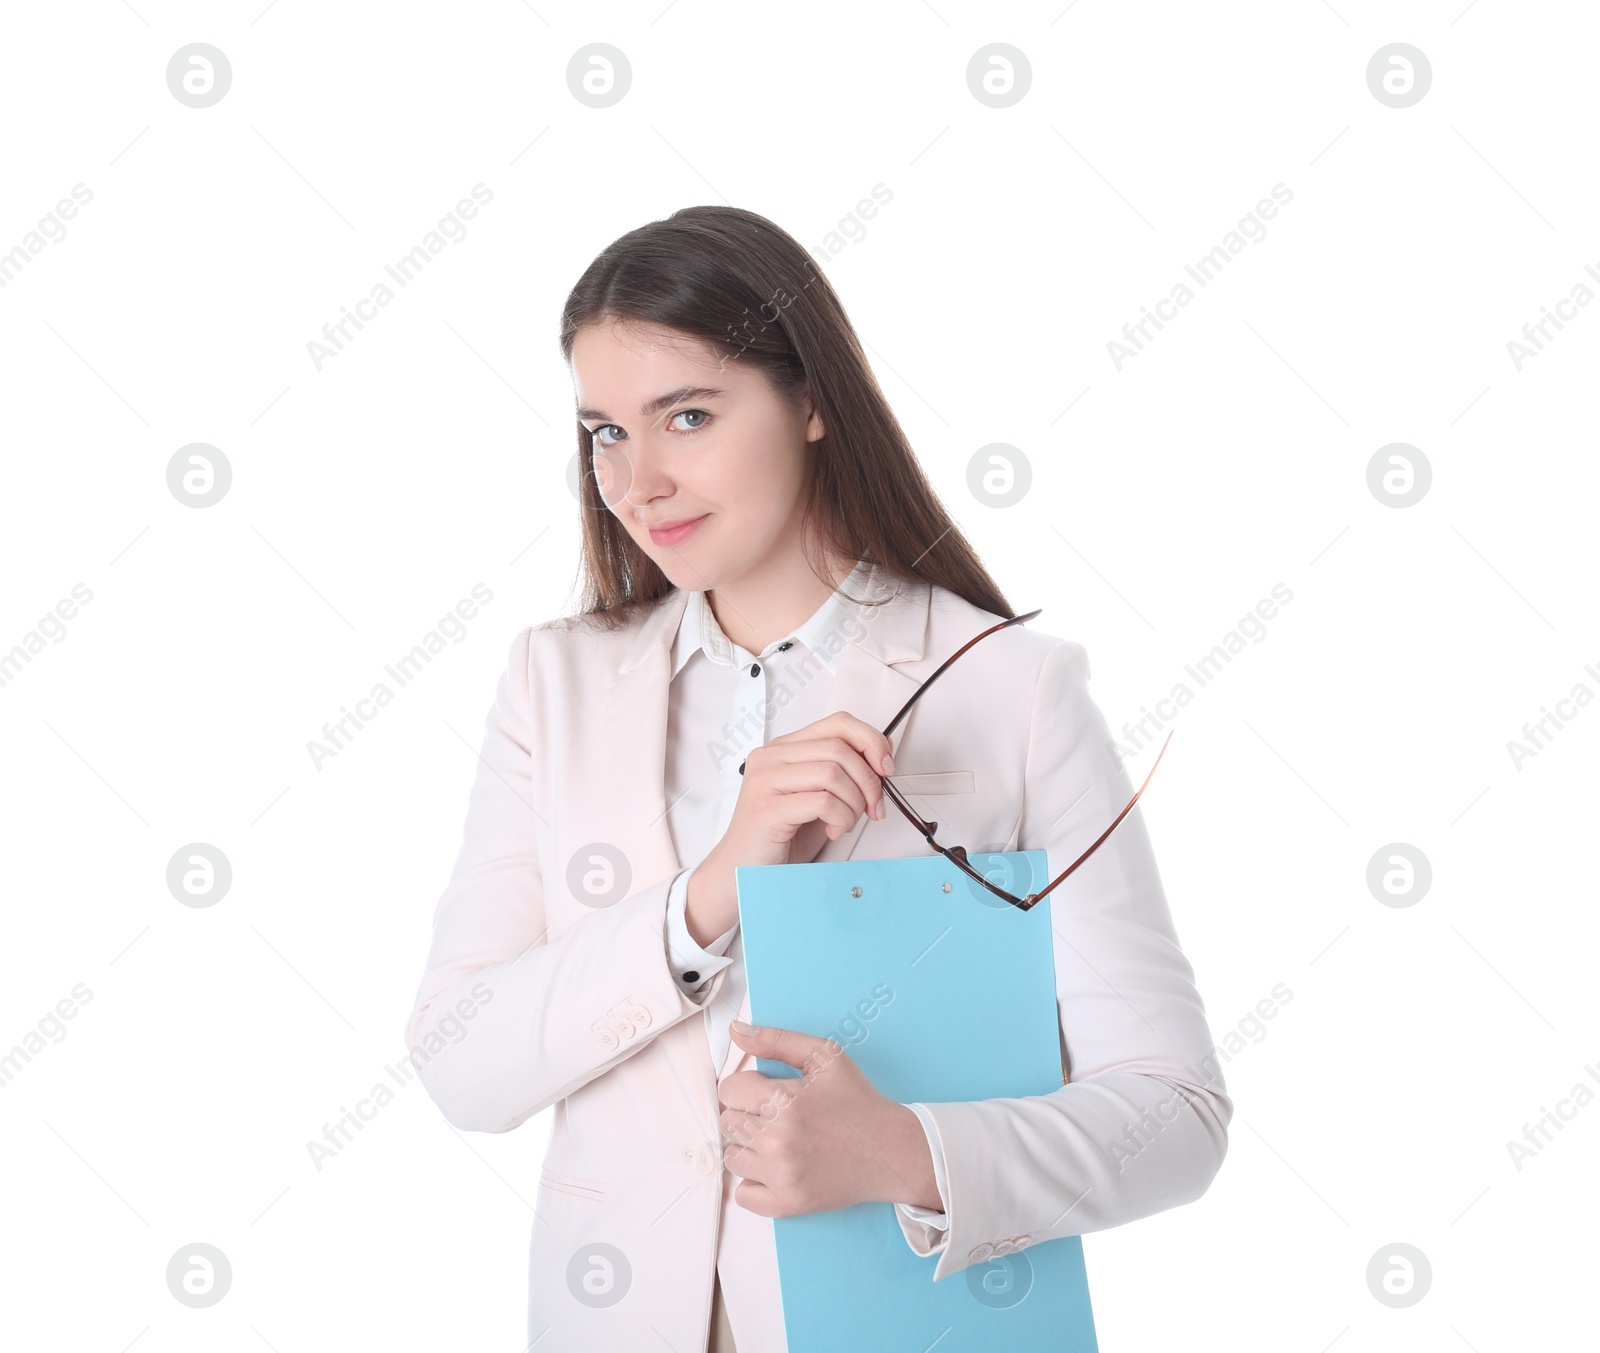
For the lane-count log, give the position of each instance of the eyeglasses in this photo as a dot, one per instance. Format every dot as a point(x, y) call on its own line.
point(957, 855)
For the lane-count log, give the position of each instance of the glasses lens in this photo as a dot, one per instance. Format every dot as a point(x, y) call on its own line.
point(1002, 871)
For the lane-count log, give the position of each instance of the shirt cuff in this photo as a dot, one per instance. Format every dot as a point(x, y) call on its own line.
point(939, 1221)
point(692, 965)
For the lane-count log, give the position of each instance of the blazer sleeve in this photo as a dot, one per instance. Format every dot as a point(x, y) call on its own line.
point(507, 1021)
point(1141, 1123)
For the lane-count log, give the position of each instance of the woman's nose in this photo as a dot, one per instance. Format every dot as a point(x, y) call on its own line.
point(644, 472)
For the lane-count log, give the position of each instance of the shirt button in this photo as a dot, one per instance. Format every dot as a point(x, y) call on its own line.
point(691, 977)
point(755, 669)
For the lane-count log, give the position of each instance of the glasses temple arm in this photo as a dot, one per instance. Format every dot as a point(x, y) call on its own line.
point(917, 694)
point(1034, 897)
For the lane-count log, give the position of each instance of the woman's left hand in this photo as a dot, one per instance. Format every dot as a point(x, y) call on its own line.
point(822, 1141)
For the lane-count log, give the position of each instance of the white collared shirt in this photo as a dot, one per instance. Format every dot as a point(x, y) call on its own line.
point(723, 701)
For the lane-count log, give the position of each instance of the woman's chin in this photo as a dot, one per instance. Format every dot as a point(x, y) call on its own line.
point(684, 572)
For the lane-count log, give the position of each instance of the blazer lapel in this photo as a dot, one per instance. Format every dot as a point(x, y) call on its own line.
point(627, 781)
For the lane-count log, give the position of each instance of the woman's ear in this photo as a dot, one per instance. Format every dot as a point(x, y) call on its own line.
point(814, 429)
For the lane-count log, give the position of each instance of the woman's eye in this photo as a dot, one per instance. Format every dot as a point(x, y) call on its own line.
point(609, 434)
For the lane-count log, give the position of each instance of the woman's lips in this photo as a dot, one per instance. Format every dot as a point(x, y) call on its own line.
point(677, 534)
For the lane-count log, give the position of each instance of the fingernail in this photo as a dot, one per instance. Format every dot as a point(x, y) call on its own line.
point(888, 764)
point(742, 1027)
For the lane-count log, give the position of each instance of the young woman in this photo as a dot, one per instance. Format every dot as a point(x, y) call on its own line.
point(768, 577)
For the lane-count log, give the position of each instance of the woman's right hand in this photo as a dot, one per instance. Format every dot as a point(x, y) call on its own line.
point(797, 791)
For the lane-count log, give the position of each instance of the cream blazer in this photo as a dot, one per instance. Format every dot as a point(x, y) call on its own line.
point(534, 998)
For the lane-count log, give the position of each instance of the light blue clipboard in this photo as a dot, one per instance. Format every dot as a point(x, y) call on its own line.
point(938, 993)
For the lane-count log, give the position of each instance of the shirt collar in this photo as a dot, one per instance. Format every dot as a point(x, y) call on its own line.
point(699, 630)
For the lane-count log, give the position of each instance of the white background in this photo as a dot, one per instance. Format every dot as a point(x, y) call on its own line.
point(1168, 497)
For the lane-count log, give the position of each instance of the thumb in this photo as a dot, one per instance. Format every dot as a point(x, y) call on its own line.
point(788, 1046)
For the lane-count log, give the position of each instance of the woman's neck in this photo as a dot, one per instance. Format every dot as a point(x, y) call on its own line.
point(753, 611)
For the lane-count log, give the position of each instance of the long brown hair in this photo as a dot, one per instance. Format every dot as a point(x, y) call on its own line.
point(749, 291)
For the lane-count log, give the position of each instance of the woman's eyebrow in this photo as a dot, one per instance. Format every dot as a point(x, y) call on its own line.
point(663, 401)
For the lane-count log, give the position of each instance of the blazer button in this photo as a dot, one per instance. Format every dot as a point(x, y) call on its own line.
point(639, 1015)
point(1003, 1247)
point(623, 1027)
point(706, 1160)
point(978, 1253)
point(605, 1038)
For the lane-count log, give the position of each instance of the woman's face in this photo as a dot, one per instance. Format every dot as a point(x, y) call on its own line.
point(681, 433)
